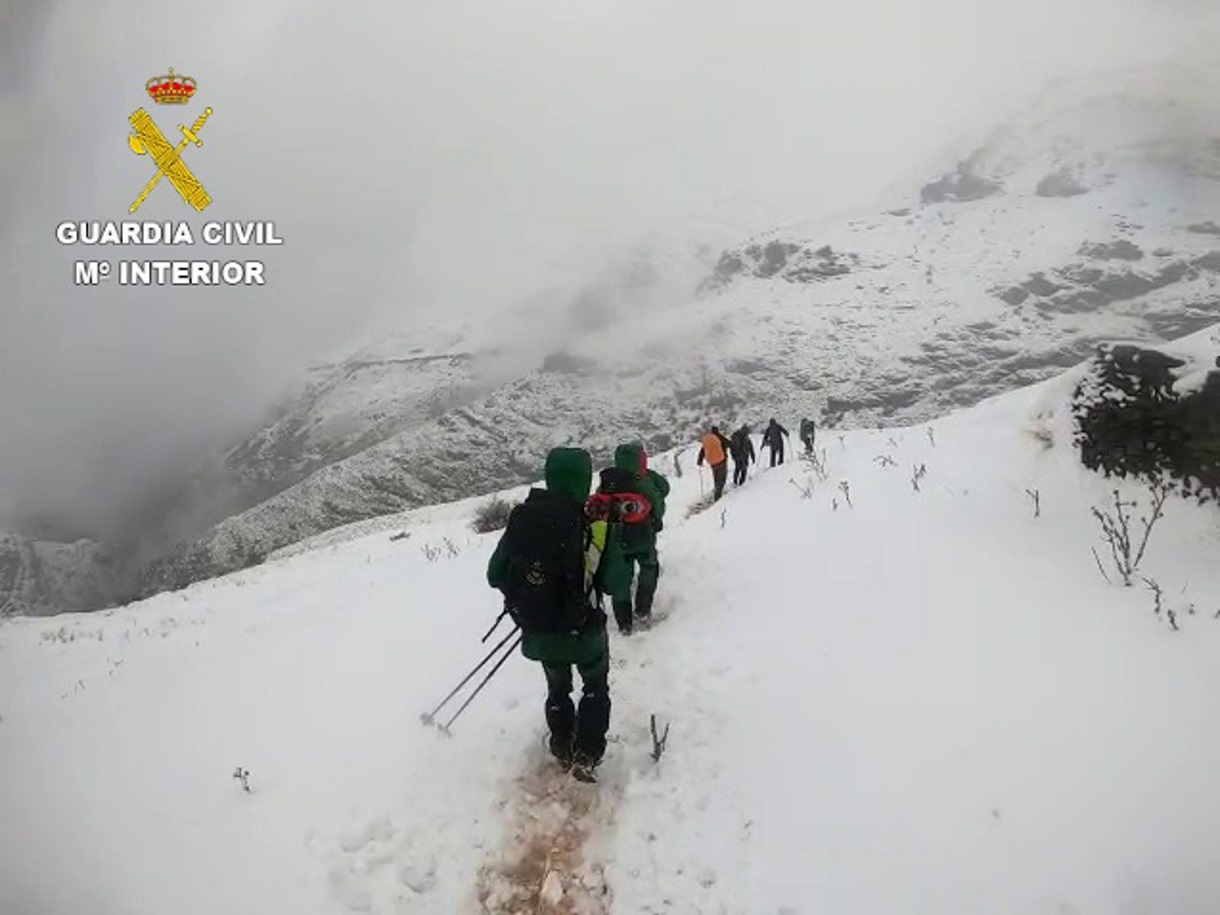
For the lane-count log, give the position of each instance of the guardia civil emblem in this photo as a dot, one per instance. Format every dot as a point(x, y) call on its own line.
point(147, 139)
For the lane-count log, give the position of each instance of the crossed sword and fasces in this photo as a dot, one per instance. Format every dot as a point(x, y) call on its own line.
point(148, 139)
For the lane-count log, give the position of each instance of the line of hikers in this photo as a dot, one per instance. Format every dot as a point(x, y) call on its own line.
point(564, 548)
point(562, 551)
point(716, 450)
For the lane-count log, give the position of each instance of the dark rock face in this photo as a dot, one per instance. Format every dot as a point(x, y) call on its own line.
point(1121, 250)
point(1131, 421)
point(1083, 287)
point(792, 262)
point(1061, 183)
point(958, 187)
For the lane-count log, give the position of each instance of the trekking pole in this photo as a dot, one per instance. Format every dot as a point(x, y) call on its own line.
point(430, 717)
point(503, 613)
point(491, 673)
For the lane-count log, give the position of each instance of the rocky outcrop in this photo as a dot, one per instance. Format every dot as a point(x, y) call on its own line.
point(1061, 183)
point(959, 186)
point(1096, 283)
point(785, 260)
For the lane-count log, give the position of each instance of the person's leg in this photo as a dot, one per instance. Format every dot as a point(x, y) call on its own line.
point(780, 449)
point(560, 712)
point(772, 455)
point(593, 716)
point(719, 473)
point(622, 602)
point(650, 571)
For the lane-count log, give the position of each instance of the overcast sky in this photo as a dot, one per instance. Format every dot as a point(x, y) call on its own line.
point(438, 152)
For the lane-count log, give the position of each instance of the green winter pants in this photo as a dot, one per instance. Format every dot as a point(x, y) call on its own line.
point(578, 732)
point(645, 589)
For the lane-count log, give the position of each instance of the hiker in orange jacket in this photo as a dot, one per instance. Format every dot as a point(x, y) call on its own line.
point(715, 450)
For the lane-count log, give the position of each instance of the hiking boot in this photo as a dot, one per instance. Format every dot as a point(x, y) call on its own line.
point(622, 616)
point(561, 750)
point(561, 722)
point(584, 767)
point(583, 773)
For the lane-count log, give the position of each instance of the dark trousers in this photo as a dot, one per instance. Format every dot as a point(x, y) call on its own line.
point(739, 472)
point(578, 733)
point(645, 589)
point(777, 454)
point(808, 440)
point(720, 473)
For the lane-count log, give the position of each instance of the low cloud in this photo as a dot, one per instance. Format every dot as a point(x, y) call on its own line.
point(438, 157)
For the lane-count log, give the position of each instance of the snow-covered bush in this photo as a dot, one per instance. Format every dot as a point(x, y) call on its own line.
point(1135, 417)
point(492, 515)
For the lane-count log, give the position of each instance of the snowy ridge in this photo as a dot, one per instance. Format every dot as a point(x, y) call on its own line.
point(863, 698)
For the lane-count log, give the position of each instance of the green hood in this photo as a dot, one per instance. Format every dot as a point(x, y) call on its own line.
point(569, 471)
point(630, 457)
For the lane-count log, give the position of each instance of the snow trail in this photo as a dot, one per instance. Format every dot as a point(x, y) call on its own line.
point(546, 864)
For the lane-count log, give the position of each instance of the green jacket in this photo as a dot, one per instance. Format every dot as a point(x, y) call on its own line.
point(569, 471)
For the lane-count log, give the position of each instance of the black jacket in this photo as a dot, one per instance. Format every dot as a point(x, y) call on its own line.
point(742, 447)
point(771, 437)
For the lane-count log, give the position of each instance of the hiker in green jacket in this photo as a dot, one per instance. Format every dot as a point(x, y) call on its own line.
point(808, 431)
point(630, 473)
point(552, 564)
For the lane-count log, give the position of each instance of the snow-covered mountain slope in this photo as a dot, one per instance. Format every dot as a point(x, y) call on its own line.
point(1086, 217)
point(43, 577)
point(922, 700)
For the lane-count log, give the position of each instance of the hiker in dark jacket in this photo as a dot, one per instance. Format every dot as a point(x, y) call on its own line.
point(807, 432)
point(773, 438)
point(631, 474)
point(715, 450)
point(742, 449)
point(561, 621)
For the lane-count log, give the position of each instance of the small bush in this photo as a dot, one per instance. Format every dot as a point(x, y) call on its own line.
point(492, 515)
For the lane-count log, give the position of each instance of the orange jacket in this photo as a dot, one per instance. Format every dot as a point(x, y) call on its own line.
point(713, 449)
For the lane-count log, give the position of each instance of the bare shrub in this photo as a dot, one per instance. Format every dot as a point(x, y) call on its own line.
point(805, 489)
point(846, 489)
point(492, 515)
point(243, 777)
point(658, 740)
point(1036, 497)
point(1043, 436)
point(1116, 530)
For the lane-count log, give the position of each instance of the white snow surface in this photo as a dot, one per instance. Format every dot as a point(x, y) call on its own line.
point(923, 702)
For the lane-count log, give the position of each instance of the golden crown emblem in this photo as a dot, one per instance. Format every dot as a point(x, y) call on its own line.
point(170, 89)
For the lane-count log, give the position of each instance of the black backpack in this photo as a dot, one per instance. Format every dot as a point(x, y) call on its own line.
point(546, 540)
